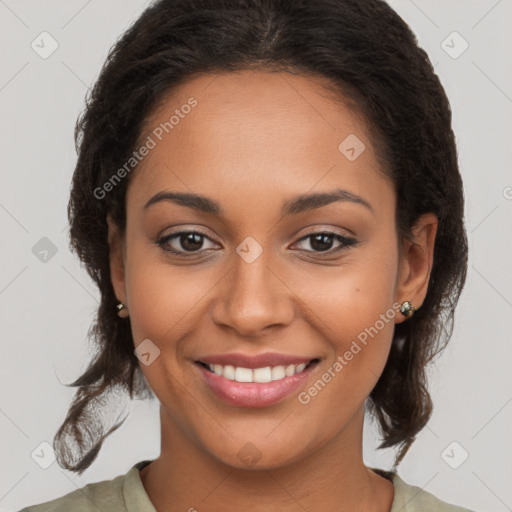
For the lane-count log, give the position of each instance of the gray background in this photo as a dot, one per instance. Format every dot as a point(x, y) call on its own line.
point(47, 301)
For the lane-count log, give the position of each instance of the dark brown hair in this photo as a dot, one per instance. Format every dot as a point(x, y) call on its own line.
point(371, 56)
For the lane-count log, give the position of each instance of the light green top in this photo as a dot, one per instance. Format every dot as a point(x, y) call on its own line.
point(126, 493)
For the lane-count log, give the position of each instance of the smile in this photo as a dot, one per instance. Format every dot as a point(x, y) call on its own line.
point(254, 387)
point(261, 375)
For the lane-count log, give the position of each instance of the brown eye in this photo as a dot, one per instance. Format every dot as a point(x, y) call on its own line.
point(323, 242)
point(191, 241)
point(183, 242)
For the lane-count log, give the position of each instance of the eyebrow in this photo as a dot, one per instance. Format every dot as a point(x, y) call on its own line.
point(293, 206)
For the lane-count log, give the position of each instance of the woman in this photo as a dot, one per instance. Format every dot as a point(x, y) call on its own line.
point(267, 195)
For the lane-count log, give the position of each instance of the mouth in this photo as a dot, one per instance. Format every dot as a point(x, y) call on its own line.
point(258, 386)
point(259, 375)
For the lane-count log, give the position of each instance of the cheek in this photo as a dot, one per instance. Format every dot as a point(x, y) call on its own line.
point(164, 299)
point(352, 313)
point(353, 296)
point(353, 310)
point(162, 304)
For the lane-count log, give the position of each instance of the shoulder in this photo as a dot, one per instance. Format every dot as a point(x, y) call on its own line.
point(411, 498)
point(105, 495)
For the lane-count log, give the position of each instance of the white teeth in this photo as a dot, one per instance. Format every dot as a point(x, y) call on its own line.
point(290, 370)
point(261, 375)
point(243, 374)
point(228, 372)
point(278, 373)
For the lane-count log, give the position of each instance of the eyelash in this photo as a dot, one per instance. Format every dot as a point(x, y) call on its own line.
point(346, 242)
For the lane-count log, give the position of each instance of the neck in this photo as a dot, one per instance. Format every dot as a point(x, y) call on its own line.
point(333, 477)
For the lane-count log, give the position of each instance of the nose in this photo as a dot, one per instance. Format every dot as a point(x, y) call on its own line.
point(253, 298)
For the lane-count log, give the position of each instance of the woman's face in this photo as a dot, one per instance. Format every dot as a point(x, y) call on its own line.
point(261, 288)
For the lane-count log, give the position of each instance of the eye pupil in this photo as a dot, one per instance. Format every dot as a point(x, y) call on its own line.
point(321, 241)
point(191, 241)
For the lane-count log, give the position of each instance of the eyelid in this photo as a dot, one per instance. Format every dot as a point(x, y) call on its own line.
point(170, 236)
point(346, 242)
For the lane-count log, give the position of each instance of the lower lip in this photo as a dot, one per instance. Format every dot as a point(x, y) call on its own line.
point(253, 394)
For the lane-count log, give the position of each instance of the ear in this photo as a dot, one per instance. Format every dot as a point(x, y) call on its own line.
point(116, 256)
point(416, 263)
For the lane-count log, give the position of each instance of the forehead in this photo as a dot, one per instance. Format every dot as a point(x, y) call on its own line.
point(257, 131)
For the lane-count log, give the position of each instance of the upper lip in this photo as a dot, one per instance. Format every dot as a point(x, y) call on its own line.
point(257, 361)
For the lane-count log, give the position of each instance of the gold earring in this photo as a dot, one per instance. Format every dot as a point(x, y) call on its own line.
point(122, 310)
point(407, 309)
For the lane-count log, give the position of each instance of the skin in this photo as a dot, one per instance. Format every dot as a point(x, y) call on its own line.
point(254, 140)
